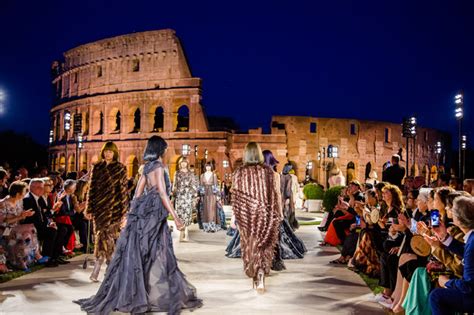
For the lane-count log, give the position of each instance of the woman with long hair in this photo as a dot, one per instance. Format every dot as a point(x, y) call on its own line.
point(257, 208)
point(289, 245)
point(143, 275)
point(185, 190)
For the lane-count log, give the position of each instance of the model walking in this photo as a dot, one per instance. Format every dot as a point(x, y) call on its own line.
point(256, 205)
point(143, 275)
point(107, 203)
point(185, 189)
point(209, 191)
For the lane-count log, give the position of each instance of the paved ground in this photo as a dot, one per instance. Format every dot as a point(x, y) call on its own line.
point(308, 286)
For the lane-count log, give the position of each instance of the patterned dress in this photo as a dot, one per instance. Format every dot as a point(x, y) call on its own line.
point(209, 211)
point(21, 243)
point(185, 191)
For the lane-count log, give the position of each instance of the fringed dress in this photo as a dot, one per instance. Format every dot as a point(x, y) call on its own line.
point(256, 206)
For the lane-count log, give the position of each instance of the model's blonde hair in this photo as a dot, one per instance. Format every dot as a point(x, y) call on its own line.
point(253, 154)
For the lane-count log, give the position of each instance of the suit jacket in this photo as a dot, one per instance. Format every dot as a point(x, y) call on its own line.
point(394, 175)
point(447, 258)
point(466, 284)
point(67, 208)
point(39, 219)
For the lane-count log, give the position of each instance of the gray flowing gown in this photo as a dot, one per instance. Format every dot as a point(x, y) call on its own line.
point(143, 275)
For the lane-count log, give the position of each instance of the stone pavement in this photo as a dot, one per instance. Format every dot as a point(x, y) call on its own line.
point(308, 286)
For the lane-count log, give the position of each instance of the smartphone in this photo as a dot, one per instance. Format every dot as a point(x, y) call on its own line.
point(434, 217)
point(357, 220)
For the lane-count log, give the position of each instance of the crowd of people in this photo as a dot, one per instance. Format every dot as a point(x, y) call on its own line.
point(417, 241)
point(38, 217)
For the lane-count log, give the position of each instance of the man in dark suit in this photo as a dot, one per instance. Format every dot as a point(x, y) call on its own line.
point(65, 211)
point(457, 295)
point(394, 174)
point(45, 227)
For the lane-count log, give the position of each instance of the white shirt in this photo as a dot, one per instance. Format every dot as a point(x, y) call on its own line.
point(449, 240)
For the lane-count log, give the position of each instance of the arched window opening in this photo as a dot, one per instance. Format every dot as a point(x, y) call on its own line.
point(137, 120)
point(158, 120)
point(118, 121)
point(183, 119)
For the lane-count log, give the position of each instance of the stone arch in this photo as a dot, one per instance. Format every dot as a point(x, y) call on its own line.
point(415, 171)
point(182, 120)
point(158, 121)
point(351, 172)
point(71, 163)
point(98, 123)
point(62, 162)
point(115, 121)
point(433, 173)
point(368, 169)
point(426, 173)
point(173, 164)
point(135, 122)
point(132, 166)
point(83, 162)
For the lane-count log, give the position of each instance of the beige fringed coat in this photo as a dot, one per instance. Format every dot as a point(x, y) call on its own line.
point(257, 208)
point(107, 202)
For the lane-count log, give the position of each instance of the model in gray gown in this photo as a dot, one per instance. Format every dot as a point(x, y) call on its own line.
point(143, 275)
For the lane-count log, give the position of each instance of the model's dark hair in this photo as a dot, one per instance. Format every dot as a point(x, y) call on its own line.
point(287, 168)
point(269, 159)
point(155, 148)
point(111, 147)
point(209, 164)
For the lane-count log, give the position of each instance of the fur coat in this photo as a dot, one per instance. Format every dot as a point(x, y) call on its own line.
point(107, 202)
point(257, 207)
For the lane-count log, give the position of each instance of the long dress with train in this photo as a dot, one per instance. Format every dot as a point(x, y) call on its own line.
point(290, 245)
point(143, 275)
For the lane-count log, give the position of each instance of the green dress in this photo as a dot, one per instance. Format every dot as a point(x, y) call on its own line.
point(416, 301)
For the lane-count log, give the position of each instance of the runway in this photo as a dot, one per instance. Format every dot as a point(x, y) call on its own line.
point(308, 286)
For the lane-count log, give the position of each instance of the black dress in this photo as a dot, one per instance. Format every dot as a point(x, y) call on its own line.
point(290, 245)
point(143, 275)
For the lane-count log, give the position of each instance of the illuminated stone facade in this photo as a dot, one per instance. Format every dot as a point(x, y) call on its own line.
point(128, 88)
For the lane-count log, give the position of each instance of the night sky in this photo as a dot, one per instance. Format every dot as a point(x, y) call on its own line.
point(381, 60)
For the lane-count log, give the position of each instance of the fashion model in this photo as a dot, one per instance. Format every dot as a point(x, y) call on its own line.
point(107, 203)
point(143, 275)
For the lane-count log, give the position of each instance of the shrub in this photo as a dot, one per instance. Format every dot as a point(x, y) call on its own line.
point(331, 196)
point(313, 191)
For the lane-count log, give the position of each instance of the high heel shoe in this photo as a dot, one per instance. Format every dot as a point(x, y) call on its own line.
point(261, 282)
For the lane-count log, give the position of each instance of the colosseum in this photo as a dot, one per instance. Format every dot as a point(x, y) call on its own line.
point(128, 88)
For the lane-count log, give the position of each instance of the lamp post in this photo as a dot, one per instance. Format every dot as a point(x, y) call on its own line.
point(463, 148)
point(438, 151)
point(67, 127)
point(2, 100)
point(409, 132)
point(225, 164)
point(459, 114)
point(79, 146)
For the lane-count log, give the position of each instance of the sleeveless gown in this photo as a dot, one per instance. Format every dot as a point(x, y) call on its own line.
point(143, 275)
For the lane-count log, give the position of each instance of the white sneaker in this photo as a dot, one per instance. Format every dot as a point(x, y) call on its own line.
point(380, 298)
point(385, 302)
